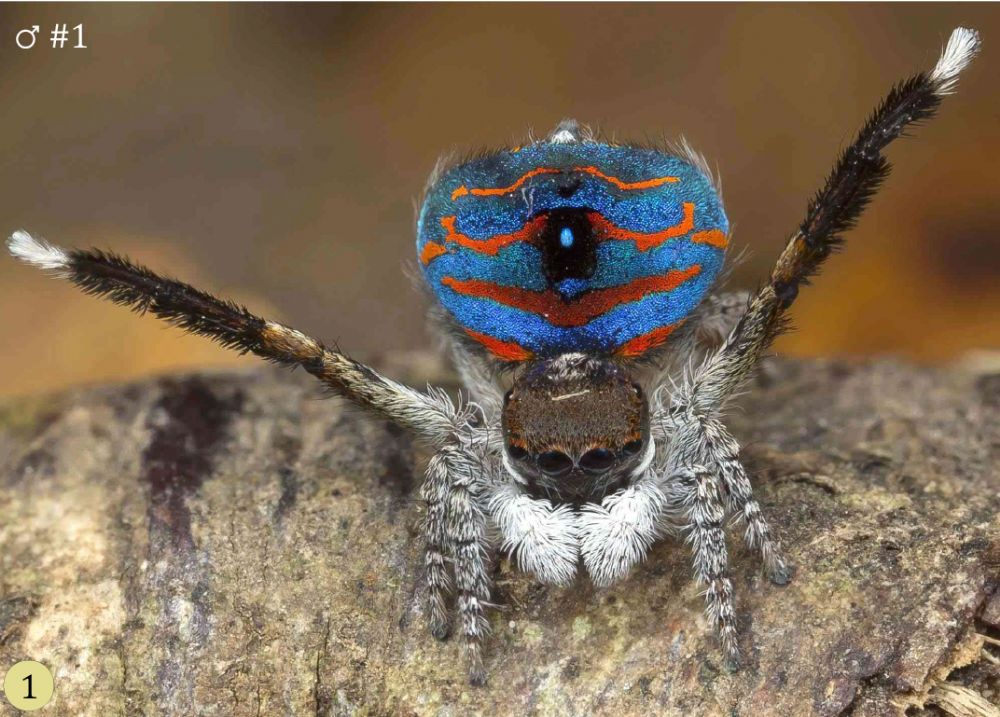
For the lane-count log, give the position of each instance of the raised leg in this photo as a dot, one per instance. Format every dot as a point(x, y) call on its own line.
point(855, 178)
point(689, 420)
point(430, 416)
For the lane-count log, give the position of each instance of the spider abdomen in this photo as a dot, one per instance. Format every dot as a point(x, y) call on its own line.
point(571, 246)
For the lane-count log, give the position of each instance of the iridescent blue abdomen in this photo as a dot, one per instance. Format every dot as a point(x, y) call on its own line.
point(572, 246)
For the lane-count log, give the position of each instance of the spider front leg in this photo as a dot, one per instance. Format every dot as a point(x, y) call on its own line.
point(701, 499)
point(455, 530)
point(700, 438)
point(434, 493)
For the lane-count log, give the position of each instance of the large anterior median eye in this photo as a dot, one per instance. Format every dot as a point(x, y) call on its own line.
point(555, 463)
point(597, 460)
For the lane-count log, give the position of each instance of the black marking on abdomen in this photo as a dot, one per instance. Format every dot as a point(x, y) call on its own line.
point(568, 184)
point(579, 259)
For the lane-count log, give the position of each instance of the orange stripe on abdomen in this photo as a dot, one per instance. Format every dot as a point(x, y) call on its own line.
point(641, 344)
point(712, 237)
point(495, 191)
point(506, 350)
point(593, 171)
point(490, 245)
point(430, 252)
point(644, 241)
point(627, 186)
point(550, 305)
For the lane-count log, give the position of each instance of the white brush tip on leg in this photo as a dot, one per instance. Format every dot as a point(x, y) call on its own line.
point(37, 252)
point(962, 47)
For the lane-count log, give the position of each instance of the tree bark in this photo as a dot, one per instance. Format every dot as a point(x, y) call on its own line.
point(227, 544)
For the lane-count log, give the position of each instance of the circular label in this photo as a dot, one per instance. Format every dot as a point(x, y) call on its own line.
point(28, 685)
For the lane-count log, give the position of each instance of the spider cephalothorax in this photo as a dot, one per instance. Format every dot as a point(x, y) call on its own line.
point(575, 427)
point(568, 261)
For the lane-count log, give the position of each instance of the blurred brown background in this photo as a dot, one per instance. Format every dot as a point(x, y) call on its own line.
point(273, 154)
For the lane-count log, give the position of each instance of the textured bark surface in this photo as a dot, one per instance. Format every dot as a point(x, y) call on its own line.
point(229, 545)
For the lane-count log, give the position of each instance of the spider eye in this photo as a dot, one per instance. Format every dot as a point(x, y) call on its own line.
point(632, 448)
point(516, 452)
point(597, 460)
point(555, 463)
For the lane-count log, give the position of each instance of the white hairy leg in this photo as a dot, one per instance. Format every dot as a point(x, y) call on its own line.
point(456, 529)
point(701, 440)
point(702, 503)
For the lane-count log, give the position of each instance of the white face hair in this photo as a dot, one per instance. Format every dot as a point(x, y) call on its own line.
point(688, 477)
